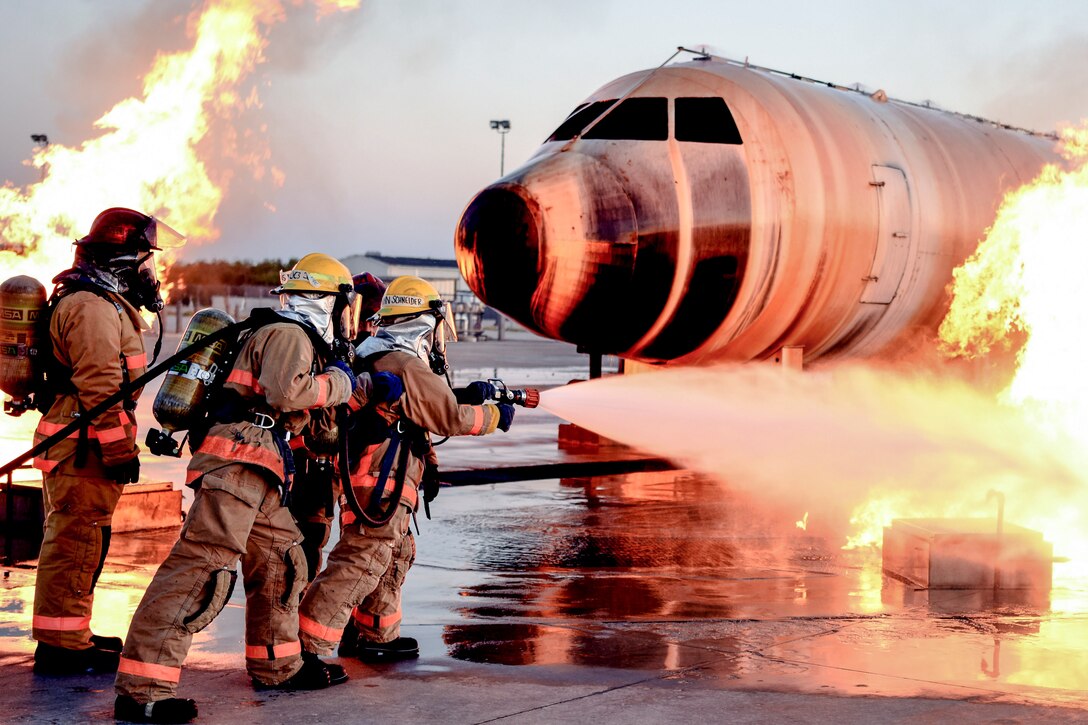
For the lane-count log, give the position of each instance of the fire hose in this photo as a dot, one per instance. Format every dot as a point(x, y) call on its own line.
point(84, 420)
point(374, 514)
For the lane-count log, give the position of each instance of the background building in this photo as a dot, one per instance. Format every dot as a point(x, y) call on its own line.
point(442, 273)
point(470, 315)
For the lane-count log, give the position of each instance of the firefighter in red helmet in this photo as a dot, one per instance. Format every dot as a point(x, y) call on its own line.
point(95, 329)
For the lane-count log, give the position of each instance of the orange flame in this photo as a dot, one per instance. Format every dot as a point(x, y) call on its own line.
point(1027, 276)
point(146, 157)
point(1024, 287)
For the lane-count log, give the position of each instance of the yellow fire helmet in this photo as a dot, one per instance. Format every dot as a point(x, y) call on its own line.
point(316, 273)
point(409, 296)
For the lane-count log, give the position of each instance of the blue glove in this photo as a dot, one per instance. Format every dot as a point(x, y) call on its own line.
point(344, 368)
point(387, 387)
point(506, 416)
point(480, 391)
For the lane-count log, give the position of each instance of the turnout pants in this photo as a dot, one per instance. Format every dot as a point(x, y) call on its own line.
point(362, 580)
point(79, 506)
point(236, 515)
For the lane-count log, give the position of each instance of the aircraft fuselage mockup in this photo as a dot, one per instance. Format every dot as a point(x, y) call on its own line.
point(722, 212)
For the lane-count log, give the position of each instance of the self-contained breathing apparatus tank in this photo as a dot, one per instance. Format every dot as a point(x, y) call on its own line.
point(179, 404)
point(22, 303)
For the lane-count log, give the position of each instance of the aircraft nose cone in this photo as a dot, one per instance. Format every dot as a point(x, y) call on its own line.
point(497, 244)
point(554, 247)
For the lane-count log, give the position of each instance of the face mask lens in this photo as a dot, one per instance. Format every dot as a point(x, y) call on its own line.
point(145, 269)
point(147, 285)
point(349, 317)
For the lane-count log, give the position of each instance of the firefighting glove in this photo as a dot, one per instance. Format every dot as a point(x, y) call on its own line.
point(344, 368)
point(387, 387)
point(477, 392)
point(506, 416)
point(430, 484)
point(127, 472)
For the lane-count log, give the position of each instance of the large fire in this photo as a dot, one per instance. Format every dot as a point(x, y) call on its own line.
point(1027, 275)
point(1024, 287)
point(869, 443)
point(149, 155)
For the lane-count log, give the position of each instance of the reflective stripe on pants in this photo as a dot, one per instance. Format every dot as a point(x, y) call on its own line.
point(366, 567)
point(236, 515)
point(79, 506)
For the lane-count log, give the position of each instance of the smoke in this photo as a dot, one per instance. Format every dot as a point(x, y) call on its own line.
point(852, 442)
point(97, 71)
point(1038, 85)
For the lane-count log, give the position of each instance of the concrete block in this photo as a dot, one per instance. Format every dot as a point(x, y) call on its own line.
point(967, 554)
point(146, 506)
point(143, 507)
point(24, 499)
point(576, 438)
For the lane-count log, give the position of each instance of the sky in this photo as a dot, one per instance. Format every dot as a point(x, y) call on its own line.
point(379, 118)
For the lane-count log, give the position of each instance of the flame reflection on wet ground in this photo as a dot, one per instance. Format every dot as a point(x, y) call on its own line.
point(662, 577)
point(666, 573)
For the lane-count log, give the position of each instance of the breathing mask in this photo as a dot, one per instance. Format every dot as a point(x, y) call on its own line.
point(311, 308)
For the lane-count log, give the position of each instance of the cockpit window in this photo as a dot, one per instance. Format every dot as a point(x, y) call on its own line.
point(578, 119)
point(636, 119)
point(705, 120)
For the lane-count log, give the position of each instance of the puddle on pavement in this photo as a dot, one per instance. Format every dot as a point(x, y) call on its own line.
point(668, 572)
point(534, 644)
point(647, 573)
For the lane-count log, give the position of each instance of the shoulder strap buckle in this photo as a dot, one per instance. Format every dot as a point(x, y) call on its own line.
point(264, 420)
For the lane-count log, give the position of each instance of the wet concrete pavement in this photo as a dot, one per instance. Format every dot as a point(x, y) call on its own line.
point(655, 597)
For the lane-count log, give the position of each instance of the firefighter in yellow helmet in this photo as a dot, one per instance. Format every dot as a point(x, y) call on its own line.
point(317, 485)
point(95, 328)
point(358, 592)
point(242, 472)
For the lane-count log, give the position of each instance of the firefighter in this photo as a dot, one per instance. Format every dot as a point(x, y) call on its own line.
point(242, 472)
point(317, 487)
point(95, 328)
point(366, 569)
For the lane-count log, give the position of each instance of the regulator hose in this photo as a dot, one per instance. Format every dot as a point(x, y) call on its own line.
point(373, 514)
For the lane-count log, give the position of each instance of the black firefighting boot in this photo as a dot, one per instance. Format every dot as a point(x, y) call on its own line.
point(50, 660)
point(402, 648)
point(108, 644)
point(349, 640)
point(172, 710)
point(314, 675)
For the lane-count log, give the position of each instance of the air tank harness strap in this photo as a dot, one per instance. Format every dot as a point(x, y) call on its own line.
point(82, 443)
point(395, 439)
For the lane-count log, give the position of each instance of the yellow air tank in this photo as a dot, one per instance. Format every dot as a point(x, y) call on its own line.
point(178, 404)
point(22, 302)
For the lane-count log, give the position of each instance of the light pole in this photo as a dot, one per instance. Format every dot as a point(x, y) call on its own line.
point(42, 140)
point(503, 127)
